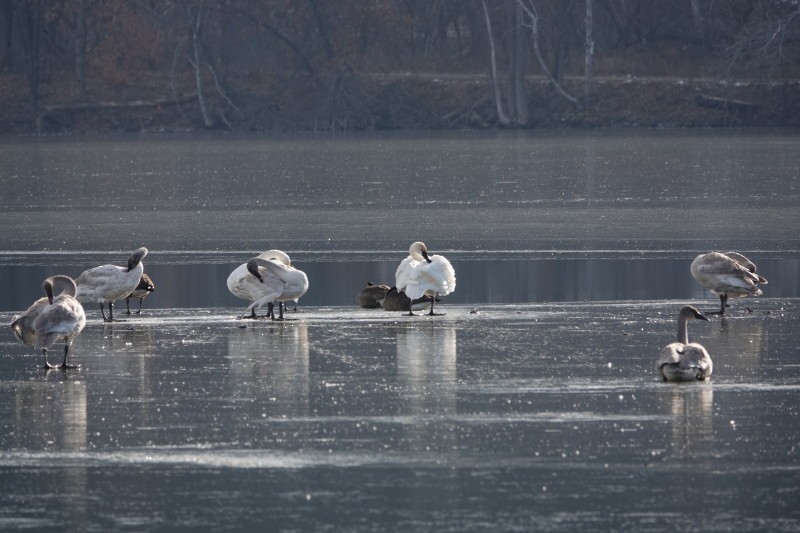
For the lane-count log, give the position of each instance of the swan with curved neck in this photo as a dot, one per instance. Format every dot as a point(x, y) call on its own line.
point(108, 283)
point(56, 316)
point(267, 277)
point(22, 325)
point(684, 360)
point(423, 274)
point(727, 275)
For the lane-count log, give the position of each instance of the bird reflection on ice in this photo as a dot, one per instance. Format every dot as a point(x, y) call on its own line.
point(269, 367)
point(51, 415)
point(692, 409)
point(426, 366)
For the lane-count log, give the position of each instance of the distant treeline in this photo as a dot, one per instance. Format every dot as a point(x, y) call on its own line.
point(352, 64)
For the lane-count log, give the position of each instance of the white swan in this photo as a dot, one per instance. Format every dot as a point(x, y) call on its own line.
point(728, 274)
point(108, 283)
point(52, 318)
point(142, 291)
point(422, 274)
point(265, 278)
point(682, 360)
point(372, 296)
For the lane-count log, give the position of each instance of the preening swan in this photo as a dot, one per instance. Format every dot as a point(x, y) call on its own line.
point(682, 360)
point(398, 301)
point(424, 274)
point(108, 283)
point(265, 278)
point(728, 274)
point(142, 291)
point(372, 296)
point(22, 325)
point(52, 318)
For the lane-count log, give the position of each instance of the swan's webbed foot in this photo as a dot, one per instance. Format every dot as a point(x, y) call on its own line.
point(435, 314)
point(46, 366)
point(65, 366)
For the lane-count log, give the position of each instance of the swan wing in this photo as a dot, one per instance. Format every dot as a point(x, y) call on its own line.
point(22, 325)
point(295, 282)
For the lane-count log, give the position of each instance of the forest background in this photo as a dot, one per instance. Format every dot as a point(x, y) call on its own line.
point(282, 65)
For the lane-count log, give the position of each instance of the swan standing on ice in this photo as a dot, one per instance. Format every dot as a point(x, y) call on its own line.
point(142, 291)
point(423, 274)
point(265, 278)
point(52, 318)
point(22, 325)
point(372, 296)
point(682, 360)
point(108, 283)
point(728, 274)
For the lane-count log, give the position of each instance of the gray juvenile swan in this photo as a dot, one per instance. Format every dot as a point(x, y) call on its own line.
point(682, 360)
point(22, 325)
point(423, 274)
point(142, 291)
point(52, 318)
point(728, 274)
point(108, 283)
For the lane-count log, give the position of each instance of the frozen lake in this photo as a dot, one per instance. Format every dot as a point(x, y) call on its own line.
point(533, 404)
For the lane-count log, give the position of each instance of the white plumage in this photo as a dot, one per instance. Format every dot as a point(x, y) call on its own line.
point(682, 360)
point(108, 283)
point(728, 274)
point(52, 318)
point(423, 274)
point(265, 278)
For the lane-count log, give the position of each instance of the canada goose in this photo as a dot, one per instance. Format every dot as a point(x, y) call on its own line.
point(728, 274)
point(681, 360)
point(371, 296)
point(108, 283)
point(142, 291)
point(61, 317)
point(420, 274)
point(265, 278)
point(398, 301)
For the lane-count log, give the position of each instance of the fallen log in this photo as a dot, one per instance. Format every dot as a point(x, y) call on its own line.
point(727, 104)
point(90, 106)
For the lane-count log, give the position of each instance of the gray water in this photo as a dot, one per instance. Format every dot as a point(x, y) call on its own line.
point(532, 404)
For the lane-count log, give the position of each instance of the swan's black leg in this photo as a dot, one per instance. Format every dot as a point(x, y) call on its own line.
point(103, 312)
point(128, 306)
point(111, 311)
point(280, 311)
point(271, 310)
point(64, 365)
point(47, 366)
point(723, 304)
point(139, 312)
point(433, 299)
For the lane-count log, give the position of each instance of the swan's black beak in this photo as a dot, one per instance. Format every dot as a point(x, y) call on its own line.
point(698, 316)
point(425, 255)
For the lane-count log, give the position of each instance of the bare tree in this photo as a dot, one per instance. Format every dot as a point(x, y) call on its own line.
point(589, 54)
point(80, 48)
point(501, 114)
point(530, 9)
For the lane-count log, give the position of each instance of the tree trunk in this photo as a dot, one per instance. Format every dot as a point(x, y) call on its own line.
point(498, 99)
point(589, 49)
point(80, 49)
point(27, 15)
point(531, 12)
point(520, 64)
point(197, 63)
